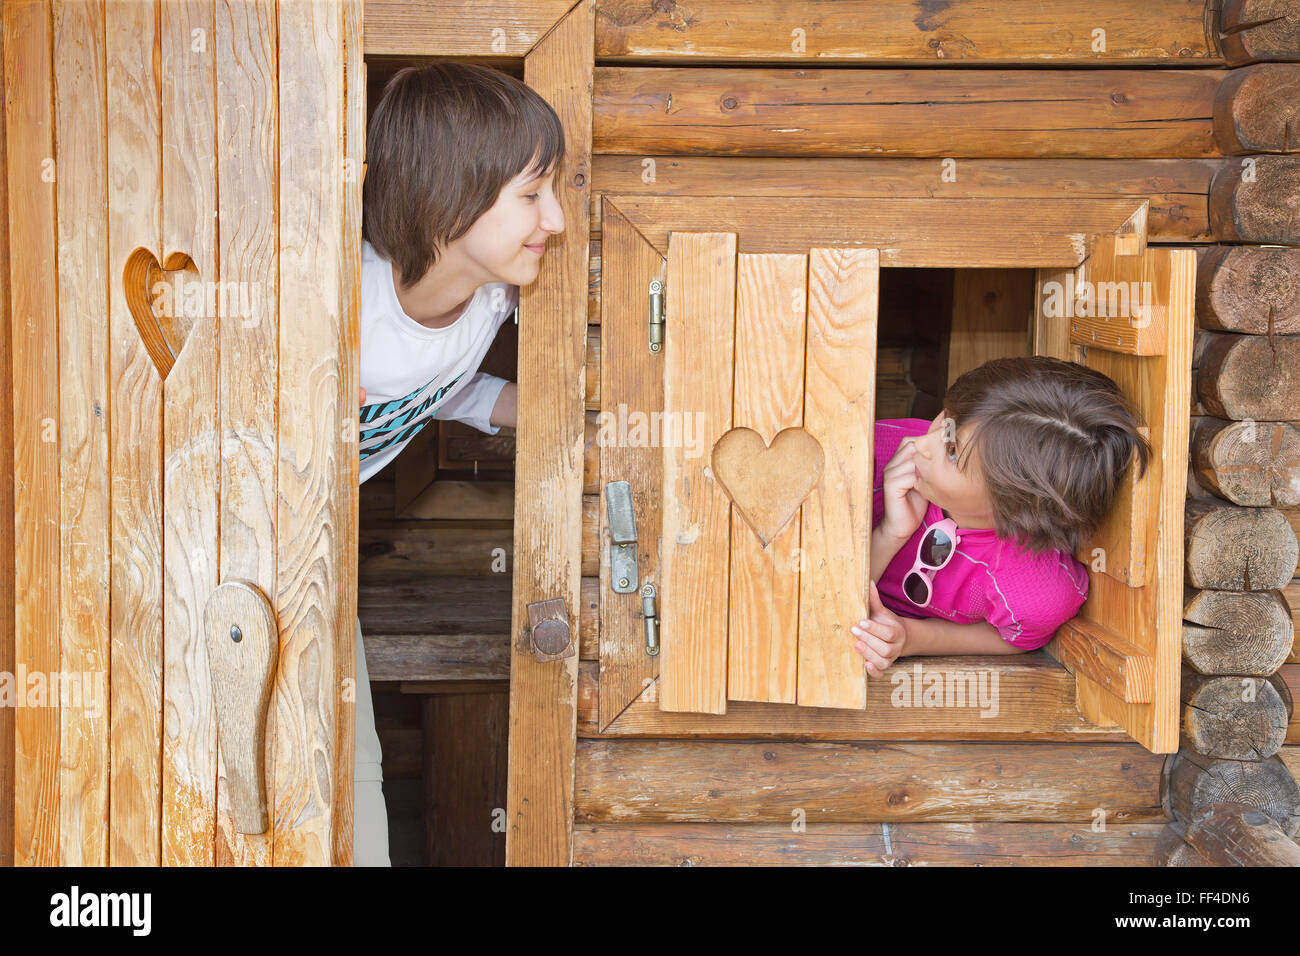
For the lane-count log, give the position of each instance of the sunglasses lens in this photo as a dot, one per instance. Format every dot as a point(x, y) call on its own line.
point(917, 588)
point(936, 547)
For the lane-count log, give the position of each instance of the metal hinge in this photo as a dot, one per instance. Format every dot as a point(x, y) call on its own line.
point(656, 315)
point(651, 613)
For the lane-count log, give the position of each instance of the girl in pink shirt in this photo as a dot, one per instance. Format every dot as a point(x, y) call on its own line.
point(1019, 467)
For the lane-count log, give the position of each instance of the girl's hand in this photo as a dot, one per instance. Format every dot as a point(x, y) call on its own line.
point(904, 505)
point(363, 394)
point(880, 639)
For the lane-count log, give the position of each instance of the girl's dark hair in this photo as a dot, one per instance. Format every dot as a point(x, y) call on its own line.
point(443, 141)
point(1055, 439)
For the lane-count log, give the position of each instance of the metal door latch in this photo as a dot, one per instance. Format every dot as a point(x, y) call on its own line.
point(622, 530)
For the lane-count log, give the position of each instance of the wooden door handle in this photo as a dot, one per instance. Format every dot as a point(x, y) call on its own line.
point(242, 635)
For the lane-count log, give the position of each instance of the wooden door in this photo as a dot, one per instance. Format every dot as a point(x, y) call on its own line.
point(184, 222)
point(1129, 311)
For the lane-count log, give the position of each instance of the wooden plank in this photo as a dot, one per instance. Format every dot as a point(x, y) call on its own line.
point(935, 233)
point(632, 384)
point(7, 541)
point(698, 371)
point(1119, 666)
point(1028, 698)
point(136, 414)
point(1178, 189)
point(464, 777)
point(676, 781)
point(247, 118)
point(80, 79)
point(1151, 617)
point(33, 307)
point(863, 844)
point(975, 32)
point(353, 69)
point(943, 113)
point(992, 311)
point(315, 498)
point(763, 591)
point(459, 28)
point(191, 449)
point(843, 291)
point(548, 486)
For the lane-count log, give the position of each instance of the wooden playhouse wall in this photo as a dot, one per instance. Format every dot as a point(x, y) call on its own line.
point(1163, 105)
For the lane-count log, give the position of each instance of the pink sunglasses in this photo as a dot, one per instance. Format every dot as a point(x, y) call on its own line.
point(935, 549)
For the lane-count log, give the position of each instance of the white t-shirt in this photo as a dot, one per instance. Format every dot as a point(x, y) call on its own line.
point(412, 373)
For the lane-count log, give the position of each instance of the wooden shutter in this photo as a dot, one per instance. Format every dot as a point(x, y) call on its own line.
point(769, 386)
point(1128, 311)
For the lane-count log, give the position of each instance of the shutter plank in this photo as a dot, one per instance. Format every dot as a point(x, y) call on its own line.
point(698, 360)
point(843, 288)
point(763, 619)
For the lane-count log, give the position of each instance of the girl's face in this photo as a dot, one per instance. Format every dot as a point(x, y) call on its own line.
point(959, 491)
point(507, 242)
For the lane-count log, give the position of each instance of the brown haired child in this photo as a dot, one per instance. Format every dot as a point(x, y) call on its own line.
point(977, 514)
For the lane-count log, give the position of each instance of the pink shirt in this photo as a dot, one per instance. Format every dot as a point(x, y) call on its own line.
point(1026, 597)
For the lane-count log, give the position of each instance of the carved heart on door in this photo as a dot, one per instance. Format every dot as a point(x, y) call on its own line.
point(156, 301)
point(768, 483)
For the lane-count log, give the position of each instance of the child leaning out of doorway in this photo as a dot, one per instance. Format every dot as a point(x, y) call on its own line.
point(977, 514)
point(457, 207)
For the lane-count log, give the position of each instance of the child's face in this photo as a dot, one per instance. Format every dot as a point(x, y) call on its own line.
point(507, 242)
point(959, 491)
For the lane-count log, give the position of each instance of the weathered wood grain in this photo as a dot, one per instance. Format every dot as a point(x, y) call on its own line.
point(631, 384)
point(835, 556)
point(699, 356)
point(730, 111)
point(1248, 289)
point(548, 470)
point(7, 474)
point(975, 32)
point(136, 412)
point(459, 28)
point(32, 282)
point(767, 781)
point(762, 621)
point(864, 844)
point(81, 141)
point(317, 397)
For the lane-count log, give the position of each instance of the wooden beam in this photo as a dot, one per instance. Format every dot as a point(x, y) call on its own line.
point(676, 781)
point(1123, 668)
point(461, 28)
point(897, 32)
point(942, 113)
point(1176, 188)
point(548, 471)
point(1248, 289)
point(864, 844)
point(1034, 700)
point(1257, 110)
point(935, 233)
point(1257, 200)
point(1252, 30)
point(1236, 834)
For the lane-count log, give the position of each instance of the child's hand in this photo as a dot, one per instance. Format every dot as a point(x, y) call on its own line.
point(904, 505)
point(363, 394)
point(880, 639)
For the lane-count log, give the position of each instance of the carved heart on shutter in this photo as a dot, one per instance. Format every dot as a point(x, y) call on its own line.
point(159, 316)
point(768, 483)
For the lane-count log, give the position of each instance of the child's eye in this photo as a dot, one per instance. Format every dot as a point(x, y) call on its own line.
point(531, 196)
